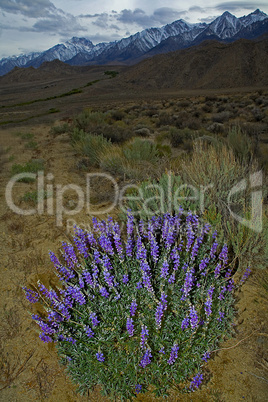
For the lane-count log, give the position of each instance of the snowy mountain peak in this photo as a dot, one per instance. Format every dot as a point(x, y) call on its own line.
point(179, 33)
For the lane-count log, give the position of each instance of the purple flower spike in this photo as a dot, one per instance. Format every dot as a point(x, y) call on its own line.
point(164, 269)
point(196, 381)
point(125, 279)
point(130, 327)
point(103, 292)
point(193, 317)
point(224, 255)
point(89, 332)
point(31, 295)
point(185, 323)
point(100, 357)
point(146, 358)
point(94, 319)
point(133, 308)
point(144, 336)
point(245, 275)
point(138, 388)
point(173, 354)
point(208, 301)
point(206, 356)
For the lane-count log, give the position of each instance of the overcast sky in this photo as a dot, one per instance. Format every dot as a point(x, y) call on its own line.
point(36, 25)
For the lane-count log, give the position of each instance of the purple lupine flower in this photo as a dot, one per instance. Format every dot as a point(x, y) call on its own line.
point(208, 301)
point(94, 319)
point(217, 270)
point(81, 283)
point(106, 262)
point(175, 257)
point(144, 336)
point(196, 381)
point(88, 278)
point(96, 256)
point(164, 270)
point(230, 285)
point(31, 295)
point(221, 295)
point(162, 350)
point(228, 273)
point(224, 255)
point(130, 223)
point(138, 388)
point(171, 279)
point(75, 294)
point(139, 285)
point(133, 308)
point(125, 279)
point(188, 284)
point(206, 356)
point(81, 246)
point(193, 317)
point(141, 250)
point(196, 246)
point(89, 332)
point(47, 329)
point(69, 255)
point(130, 327)
point(108, 278)
point(146, 358)
point(100, 357)
point(185, 323)
point(90, 239)
point(106, 244)
point(141, 228)
point(66, 273)
point(103, 292)
point(45, 338)
point(162, 306)
point(213, 249)
point(64, 338)
point(154, 248)
point(173, 354)
point(158, 315)
point(203, 264)
point(206, 229)
point(221, 316)
point(117, 240)
point(214, 235)
point(190, 238)
point(245, 275)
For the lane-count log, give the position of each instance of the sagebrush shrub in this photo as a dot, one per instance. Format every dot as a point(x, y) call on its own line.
point(147, 310)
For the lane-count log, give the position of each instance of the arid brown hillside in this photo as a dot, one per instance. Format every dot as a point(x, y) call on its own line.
point(209, 65)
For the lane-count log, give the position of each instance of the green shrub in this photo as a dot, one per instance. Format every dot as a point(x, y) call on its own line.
point(141, 150)
point(240, 144)
point(92, 146)
point(59, 129)
point(154, 197)
point(30, 167)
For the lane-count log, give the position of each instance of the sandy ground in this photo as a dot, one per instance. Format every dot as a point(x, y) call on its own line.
point(29, 368)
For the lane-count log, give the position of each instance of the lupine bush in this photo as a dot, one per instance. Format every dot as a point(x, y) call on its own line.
point(142, 308)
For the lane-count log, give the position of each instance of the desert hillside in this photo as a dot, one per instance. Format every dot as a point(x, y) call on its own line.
point(209, 65)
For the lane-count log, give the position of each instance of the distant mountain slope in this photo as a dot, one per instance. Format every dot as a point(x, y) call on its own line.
point(177, 35)
point(210, 65)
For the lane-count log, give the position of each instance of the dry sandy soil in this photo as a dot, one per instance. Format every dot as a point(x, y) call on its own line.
point(29, 368)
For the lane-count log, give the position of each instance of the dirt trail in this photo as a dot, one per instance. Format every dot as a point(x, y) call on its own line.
point(29, 368)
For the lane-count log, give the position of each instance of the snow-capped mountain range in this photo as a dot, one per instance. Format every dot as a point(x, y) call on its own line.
point(174, 36)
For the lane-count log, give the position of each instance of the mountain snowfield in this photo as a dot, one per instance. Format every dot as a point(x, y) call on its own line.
point(79, 51)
